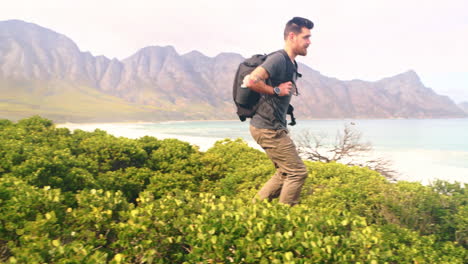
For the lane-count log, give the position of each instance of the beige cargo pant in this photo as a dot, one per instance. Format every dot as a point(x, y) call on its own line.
point(291, 172)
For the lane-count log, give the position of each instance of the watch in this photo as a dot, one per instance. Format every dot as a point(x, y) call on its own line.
point(277, 90)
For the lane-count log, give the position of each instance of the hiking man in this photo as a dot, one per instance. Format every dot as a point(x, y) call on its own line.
point(268, 126)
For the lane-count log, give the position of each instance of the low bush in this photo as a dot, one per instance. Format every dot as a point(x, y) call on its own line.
point(89, 197)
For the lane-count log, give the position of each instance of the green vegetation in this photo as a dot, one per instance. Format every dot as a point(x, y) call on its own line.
point(90, 197)
point(65, 102)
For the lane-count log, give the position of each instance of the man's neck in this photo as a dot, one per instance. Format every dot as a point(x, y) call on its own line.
point(290, 53)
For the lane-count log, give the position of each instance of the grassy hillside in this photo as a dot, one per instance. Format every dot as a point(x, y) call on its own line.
point(64, 102)
point(89, 197)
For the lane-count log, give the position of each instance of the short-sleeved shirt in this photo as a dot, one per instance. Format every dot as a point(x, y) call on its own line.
point(272, 111)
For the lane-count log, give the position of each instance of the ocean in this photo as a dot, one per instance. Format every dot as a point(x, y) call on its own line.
point(420, 150)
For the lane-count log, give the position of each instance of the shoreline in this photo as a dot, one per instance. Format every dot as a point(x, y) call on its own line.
point(412, 164)
point(141, 122)
point(229, 120)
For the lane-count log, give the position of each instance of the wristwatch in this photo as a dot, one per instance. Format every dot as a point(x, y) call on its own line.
point(277, 90)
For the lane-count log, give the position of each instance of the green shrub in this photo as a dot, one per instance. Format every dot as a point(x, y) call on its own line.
point(56, 168)
point(130, 181)
point(89, 197)
point(173, 155)
point(103, 152)
point(21, 204)
point(162, 184)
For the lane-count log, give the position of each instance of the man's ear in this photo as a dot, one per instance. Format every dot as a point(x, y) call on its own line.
point(291, 36)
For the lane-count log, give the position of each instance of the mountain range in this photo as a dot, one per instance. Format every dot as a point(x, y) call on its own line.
point(463, 106)
point(44, 72)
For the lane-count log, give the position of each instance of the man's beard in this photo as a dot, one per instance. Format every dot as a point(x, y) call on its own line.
point(302, 51)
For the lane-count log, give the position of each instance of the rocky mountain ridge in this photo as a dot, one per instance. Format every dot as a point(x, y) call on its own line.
point(192, 85)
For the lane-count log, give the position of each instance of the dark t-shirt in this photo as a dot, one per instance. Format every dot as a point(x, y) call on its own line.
point(271, 113)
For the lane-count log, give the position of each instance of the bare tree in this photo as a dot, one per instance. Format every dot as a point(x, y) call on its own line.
point(348, 148)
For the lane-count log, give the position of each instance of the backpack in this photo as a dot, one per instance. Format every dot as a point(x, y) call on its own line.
point(246, 100)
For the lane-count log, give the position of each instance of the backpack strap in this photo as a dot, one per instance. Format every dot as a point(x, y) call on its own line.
point(290, 111)
point(290, 69)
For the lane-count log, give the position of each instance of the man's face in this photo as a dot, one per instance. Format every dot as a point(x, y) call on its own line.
point(301, 41)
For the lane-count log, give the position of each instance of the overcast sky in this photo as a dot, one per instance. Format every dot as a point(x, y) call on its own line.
point(359, 39)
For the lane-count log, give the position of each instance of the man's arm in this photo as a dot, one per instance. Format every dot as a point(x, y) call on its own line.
point(256, 82)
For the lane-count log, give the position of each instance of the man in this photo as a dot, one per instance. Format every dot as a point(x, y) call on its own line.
point(268, 126)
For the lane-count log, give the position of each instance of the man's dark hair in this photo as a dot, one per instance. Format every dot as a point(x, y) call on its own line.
point(296, 24)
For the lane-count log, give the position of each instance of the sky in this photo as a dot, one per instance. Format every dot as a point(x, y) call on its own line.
point(360, 39)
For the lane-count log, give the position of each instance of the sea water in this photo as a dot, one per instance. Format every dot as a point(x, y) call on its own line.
point(420, 150)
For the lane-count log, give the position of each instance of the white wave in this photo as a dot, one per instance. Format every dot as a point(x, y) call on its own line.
point(173, 122)
point(426, 166)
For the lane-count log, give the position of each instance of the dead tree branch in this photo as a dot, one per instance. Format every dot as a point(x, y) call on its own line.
point(348, 148)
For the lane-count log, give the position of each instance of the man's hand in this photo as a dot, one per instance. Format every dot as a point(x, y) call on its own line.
point(285, 88)
point(256, 81)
